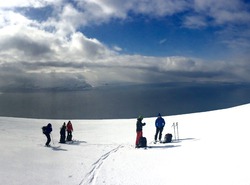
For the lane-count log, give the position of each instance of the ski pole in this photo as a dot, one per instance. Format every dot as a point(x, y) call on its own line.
point(174, 131)
point(177, 129)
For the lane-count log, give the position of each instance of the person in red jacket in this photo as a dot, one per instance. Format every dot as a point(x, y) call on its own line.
point(69, 131)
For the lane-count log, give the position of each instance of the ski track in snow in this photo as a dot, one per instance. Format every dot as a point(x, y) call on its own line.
point(92, 175)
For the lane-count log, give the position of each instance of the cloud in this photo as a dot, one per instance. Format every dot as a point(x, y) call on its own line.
point(195, 22)
point(52, 53)
point(20, 3)
point(209, 11)
point(162, 41)
point(117, 48)
point(223, 11)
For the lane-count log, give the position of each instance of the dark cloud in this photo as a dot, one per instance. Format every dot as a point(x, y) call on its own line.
point(25, 45)
point(16, 77)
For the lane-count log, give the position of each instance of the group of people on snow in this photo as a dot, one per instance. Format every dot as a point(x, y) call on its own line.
point(65, 128)
point(159, 124)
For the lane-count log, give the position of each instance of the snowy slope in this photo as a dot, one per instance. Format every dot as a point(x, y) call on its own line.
point(213, 149)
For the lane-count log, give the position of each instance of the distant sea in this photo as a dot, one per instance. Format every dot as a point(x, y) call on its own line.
point(112, 102)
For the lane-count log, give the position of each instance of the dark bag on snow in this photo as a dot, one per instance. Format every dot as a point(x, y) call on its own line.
point(44, 129)
point(168, 138)
point(69, 138)
point(143, 142)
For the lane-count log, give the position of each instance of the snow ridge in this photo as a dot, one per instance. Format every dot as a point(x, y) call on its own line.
point(91, 176)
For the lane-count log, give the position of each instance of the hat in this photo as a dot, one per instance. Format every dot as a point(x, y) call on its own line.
point(140, 117)
point(159, 115)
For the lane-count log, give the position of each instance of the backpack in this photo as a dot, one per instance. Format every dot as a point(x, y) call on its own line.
point(44, 129)
point(69, 138)
point(168, 138)
point(143, 142)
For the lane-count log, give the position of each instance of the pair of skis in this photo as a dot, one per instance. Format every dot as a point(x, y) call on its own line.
point(176, 131)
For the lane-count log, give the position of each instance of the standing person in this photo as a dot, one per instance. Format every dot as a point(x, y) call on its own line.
point(69, 131)
point(159, 124)
point(63, 133)
point(47, 130)
point(139, 126)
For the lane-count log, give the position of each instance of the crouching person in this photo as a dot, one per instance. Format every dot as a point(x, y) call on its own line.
point(47, 130)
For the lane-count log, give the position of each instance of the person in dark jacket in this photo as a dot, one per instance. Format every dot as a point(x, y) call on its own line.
point(139, 126)
point(47, 130)
point(63, 133)
point(159, 124)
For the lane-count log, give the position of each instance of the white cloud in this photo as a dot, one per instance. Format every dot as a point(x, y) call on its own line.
point(223, 11)
point(117, 48)
point(195, 22)
point(69, 20)
point(162, 41)
point(160, 7)
point(27, 3)
point(20, 3)
point(99, 11)
point(84, 12)
point(9, 18)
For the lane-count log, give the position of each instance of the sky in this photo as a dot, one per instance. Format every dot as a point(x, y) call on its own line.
point(74, 44)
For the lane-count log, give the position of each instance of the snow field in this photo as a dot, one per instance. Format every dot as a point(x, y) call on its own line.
point(213, 149)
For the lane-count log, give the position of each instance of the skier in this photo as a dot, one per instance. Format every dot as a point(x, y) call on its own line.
point(47, 130)
point(69, 131)
point(139, 126)
point(159, 124)
point(63, 133)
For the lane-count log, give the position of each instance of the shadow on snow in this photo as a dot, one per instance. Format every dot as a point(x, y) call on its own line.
point(74, 142)
point(163, 146)
point(184, 139)
point(57, 148)
point(170, 145)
